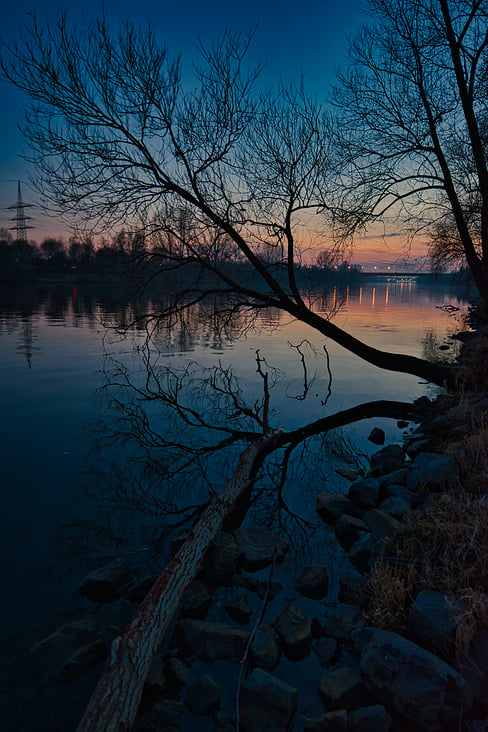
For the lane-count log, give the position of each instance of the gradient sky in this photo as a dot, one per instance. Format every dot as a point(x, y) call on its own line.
point(290, 39)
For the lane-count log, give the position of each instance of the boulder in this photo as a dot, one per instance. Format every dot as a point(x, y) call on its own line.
point(397, 477)
point(348, 530)
point(436, 472)
point(399, 491)
point(370, 719)
point(196, 600)
point(265, 648)
point(387, 460)
point(177, 674)
point(343, 620)
point(352, 586)
point(203, 697)
point(266, 703)
point(360, 552)
point(214, 641)
point(220, 561)
point(313, 582)
point(239, 609)
point(342, 688)
point(348, 471)
point(433, 620)
point(164, 715)
point(365, 493)
point(258, 546)
point(325, 650)
point(381, 524)
point(335, 721)
point(65, 640)
point(155, 679)
point(295, 633)
point(411, 681)
point(396, 507)
point(81, 661)
point(330, 506)
point(107, 583)
point(377, 436)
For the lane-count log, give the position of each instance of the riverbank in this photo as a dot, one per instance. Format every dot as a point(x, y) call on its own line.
point(391, 635)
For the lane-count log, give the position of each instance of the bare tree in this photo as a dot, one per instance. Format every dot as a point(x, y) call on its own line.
point(412, 126)
point(117, 134)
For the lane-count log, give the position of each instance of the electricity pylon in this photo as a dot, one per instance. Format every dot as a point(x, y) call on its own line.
point(20, 218)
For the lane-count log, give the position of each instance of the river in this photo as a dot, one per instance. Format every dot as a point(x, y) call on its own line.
point(57, 353)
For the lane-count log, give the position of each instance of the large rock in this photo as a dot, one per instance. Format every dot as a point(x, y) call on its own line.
point(65, 640)
point(335, 721)
point(342, 688)
point(370, 719)
point(365, 493)
point(203, 697)
point(377, 436)
point(381, 524)
point(220, 561)
point(433, 620)
point(313, 582)
point(266, 703)
point(295, 632)
point(196, 600)
point(107, 583)
point(395, 506)
point(387, 460)
point(411, 681)
point(343, 620)
point(81, 661)
point(360, 552)
point(436, 472)
point(352, 586)
point(265, 648)
point(258, 547)
point(214, 641)
point(330, 506)
point(348, 530)
point(239, 609)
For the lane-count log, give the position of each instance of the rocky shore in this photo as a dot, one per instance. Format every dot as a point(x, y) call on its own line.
point(394, 643)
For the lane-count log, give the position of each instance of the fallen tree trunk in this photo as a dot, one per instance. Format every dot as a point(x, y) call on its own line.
point(115, 701)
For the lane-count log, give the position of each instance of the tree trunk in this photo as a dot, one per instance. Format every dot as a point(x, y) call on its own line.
point(115, 701)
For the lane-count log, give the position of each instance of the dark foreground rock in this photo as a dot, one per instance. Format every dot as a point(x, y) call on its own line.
point(214, 641)
point(107, 583)
point(267, 704)
point(258, 546)
point(411, 681)
point(295, 632)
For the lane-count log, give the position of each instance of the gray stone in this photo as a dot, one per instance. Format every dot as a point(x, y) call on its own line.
point(335, 721)
point(381, 524)
point(258, 546)
point(220, 561)
point(411, 681)
point(313, 582)
point(360, 552)
point(377, 436)
point(266, 703)
point(107, 583)
point(397, 477)
point(396, 507)
point(365, 493)
point(65, 640)
point(330, 506)
point(177, 673)
point(342, 688)
point(196, 600)
point(265, 648)
point(352, 586)
point(370, 719)
point(387, 460)
point(239, 609)
point(325, 650)
point(81, 661)
point(295, 633)
point(164, 715)
point(433, 620)
point(399, 491)
point(203, 697)
point(348, 530)
point(348, 471)
point(343, 621)
point(214, 641)
point(436, 472)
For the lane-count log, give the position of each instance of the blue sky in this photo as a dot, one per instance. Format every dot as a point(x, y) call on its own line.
point(290, 39)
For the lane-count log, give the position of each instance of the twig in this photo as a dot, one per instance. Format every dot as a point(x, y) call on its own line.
point(251, 638)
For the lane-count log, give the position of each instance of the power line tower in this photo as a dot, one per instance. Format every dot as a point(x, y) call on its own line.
point(20, 218)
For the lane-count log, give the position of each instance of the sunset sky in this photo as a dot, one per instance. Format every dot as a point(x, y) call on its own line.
point(290, 39)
